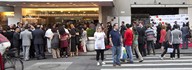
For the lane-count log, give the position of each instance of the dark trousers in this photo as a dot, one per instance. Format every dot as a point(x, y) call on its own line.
point(176, 47)
point(166, 46)
point(32, 51)
point(39, 49)
point(100, 52)
point(150, 46)
point(142, 49)
point(64, 51)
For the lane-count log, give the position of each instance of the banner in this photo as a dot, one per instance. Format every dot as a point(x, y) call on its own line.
point(170, 19)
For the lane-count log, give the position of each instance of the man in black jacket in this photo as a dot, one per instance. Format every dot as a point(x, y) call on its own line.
point(38, 40)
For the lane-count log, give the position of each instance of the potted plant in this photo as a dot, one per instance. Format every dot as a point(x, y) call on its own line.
point(91, 39)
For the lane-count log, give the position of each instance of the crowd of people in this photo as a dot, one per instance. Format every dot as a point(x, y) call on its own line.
point(63, 40)
point(143, 39)
point(33, 40)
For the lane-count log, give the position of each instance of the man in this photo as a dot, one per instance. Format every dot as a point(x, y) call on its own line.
point(141, 40)
point(26, 37)
point(150, 35)
point(4, 43)
point(16, 41)
point(123, 28)
point(176, 35)
point(128, 39)
point(115, 41)
point(38, 40)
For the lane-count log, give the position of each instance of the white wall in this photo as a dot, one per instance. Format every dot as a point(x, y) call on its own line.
point(190, 16)
point(17, 16)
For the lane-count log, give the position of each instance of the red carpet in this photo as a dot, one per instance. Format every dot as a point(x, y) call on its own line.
point(190, 45)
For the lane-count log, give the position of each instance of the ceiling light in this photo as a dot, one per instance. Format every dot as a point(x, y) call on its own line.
point(47, 3)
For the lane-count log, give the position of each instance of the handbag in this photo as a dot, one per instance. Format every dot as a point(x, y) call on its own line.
point(170, 50)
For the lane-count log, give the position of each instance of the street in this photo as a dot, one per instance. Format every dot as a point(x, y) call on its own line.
point(88, 62)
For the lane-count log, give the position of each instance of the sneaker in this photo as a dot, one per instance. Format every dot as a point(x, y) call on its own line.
point(174, 58)
point(103, 63)
point(98, 63)
point(161, 58)
point(141, 61)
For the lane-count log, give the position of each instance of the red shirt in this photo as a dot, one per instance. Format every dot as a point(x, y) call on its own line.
point(163, 34)
point(128, 36)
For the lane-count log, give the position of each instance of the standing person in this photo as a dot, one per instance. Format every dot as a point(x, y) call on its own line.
point(176, 41)
point(115, 41)
point(135, 44)
point(49, 34)
point(16, 40)
point(167, 43)
point(73, 40)
point(141, 39)
point(64, 45)
point(84, 39)
point(26, 37)
point(123, 28)
point(128, 39)
point(185, 32)
point(38, 40)
point(150, 35)
point(162, 36)
point(55, 44)
point(109, 28)
point(99, 44)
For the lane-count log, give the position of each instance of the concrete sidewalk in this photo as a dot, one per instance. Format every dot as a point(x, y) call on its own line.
point(158, 51)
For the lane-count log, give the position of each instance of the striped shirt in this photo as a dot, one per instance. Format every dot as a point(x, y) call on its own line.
point(150, 35)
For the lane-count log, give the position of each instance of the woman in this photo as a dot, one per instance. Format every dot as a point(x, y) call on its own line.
point(167, 41)
point(49, 35)
point(185, 31)
point(162, 36)
point(64, 44)
point(73, 40)
point(99, 44)
point(55, 44)
point(84, 39)
point(135, 44)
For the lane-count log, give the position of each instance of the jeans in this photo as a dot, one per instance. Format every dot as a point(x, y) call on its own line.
point(116, 54)
point(150, 45)
point(129, 53)
point(185, 42)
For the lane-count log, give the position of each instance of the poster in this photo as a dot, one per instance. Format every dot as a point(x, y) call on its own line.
point(170, 19)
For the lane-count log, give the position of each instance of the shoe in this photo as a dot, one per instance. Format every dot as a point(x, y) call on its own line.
point(119, 64)
point(174, 58)
point(141, 61)
point(98, 63)
point(161, 58)
point(131, 62)
point(103, 63)
point(114, 65)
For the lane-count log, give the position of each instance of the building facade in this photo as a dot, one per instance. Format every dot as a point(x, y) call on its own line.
point(102, 8)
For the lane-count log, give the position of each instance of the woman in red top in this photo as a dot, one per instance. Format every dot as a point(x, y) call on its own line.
point(162, 34)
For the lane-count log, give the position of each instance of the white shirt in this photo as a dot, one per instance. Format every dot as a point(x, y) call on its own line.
point(99, 40)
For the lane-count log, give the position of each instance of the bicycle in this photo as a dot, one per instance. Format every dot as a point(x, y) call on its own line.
point(11, 61)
